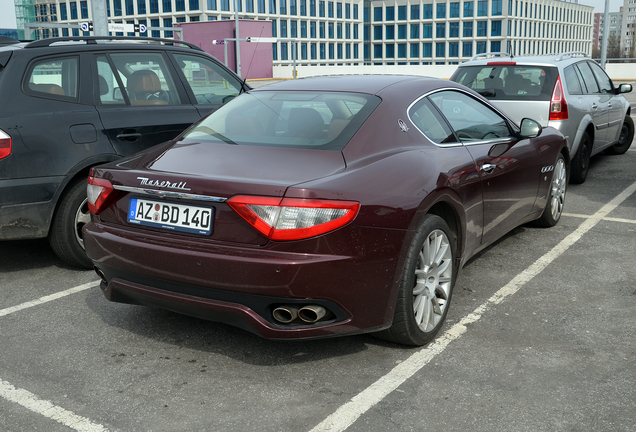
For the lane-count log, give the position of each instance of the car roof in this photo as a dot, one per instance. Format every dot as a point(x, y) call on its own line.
point(371, 84)
point(544, 60)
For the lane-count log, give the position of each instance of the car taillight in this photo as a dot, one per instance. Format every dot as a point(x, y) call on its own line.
point(293, 218)
point(5, 144)
point(100, 192)
point(558, 106)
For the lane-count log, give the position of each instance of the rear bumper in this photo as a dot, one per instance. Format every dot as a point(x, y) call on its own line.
point(242, 286)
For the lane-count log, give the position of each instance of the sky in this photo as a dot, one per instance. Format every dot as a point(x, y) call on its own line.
point(7, 10)
point(7, 14)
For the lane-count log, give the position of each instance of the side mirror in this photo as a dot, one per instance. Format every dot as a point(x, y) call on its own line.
point(530, 128)
point(117, 95)
point(625, 88)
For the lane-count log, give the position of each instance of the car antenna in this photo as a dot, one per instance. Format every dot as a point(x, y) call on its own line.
point(243, 88)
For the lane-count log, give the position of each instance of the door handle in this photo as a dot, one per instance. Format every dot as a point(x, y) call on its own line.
point(594, 106)
point(488, 167)
point(129, 136)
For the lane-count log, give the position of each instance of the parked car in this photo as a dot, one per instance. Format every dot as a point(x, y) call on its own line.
point(322, 207)
point(569, 92)
point(73, 103)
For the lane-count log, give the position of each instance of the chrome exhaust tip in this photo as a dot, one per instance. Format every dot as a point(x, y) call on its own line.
point(285, 314)
point(101, 274)
point(312, 313)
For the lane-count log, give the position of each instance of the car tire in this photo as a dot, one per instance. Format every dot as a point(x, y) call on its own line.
point(581, 161)
point(556, 198)
point(625, 139)
point(426, 287)
point(65, 235)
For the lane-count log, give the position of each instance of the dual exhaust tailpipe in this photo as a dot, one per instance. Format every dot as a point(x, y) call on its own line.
point(286, 314)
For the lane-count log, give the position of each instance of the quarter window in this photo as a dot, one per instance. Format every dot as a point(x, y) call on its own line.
point(54, 79)
point(428, 120)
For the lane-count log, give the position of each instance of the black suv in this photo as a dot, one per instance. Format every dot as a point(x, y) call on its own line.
point(72, 103)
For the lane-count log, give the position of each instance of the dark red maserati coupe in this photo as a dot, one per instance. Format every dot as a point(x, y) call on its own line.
point(322, 207)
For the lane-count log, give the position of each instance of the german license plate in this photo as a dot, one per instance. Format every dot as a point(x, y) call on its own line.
point(171, 216)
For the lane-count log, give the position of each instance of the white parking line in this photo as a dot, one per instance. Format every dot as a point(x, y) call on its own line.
point(28, 399)
point(47, 409)
point(348, 413)
point(47, 298)
point(609, 219)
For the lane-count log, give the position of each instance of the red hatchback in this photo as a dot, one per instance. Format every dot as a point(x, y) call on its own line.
point(323, 207)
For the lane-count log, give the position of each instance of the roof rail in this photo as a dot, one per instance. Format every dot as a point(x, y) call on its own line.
point(8, 40)
point(94, 39)
point(490, 55)
point(571, 54)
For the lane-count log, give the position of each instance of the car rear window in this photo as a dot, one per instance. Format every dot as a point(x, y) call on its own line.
point(509, 81)
point(296, 119)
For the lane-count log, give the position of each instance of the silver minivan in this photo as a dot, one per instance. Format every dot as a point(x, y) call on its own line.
point(569, 92)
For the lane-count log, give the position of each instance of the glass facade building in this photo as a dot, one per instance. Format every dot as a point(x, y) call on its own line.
point(384, 32)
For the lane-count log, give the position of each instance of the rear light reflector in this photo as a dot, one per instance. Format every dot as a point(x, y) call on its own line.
point(5, 144)
point(100, 192)
point(558, 106)
point(293, 218)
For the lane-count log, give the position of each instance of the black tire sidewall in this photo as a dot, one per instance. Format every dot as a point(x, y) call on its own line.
point(546, 219)
point(412, 334)
point(581, 162)
point(62, 232)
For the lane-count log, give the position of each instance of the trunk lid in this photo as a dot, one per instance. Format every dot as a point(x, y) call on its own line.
point(205, 174)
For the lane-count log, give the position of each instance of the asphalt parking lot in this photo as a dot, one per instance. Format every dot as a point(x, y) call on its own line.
point(540, 336)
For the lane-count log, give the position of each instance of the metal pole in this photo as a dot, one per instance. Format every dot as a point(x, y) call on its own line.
point(605, 34)
point(238, 43)
point(294, 46)
point(100, 19)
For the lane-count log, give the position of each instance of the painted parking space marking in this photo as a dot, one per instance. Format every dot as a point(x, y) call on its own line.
point(621, 220)
point(32, 402)
point(348, 413)
point(47, 298)
point(47, 409)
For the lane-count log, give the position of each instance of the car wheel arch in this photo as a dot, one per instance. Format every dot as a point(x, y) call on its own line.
point(80, 170)
point(446, 205)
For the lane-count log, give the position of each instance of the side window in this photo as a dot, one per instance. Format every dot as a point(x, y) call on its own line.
point(601, 77)
point(471, 119)
point(588, 78)
point(210, 83)
point(56, 78)
point(429, 121)
point(572, 82)
point(139, 79)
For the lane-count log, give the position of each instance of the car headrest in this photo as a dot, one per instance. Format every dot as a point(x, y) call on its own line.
point(143, 81)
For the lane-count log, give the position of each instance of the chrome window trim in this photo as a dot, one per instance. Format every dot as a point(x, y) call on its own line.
point(169, 194)
point(460, 143)
point(408, 114)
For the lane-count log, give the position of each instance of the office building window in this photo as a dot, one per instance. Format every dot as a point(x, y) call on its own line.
point(482, 8)
point(468, 9)
point(467, 49)
point(415, 12)
point(441, 10)
point(481, 28)
point(495, 28)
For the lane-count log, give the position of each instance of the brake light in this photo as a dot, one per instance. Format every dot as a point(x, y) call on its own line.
point(501, 63)
point(100, 192)
point(293, 218)
point(558, 106)
point(5, 144)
